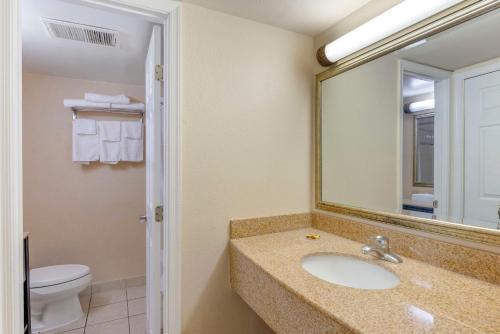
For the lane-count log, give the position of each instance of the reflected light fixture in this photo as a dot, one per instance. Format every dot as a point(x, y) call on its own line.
point(399, 17)
point(420, 106)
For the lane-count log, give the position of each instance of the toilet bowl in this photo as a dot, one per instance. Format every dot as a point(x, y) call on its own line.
point(54, 295)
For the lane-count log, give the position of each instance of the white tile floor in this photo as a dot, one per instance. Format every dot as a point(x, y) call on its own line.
point(118, 311)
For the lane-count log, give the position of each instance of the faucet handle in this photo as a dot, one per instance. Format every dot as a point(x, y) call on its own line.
point(381, 242)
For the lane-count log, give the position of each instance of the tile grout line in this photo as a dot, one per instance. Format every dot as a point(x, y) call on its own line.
point(88, 311)
point(116, 302)
point(128, 313)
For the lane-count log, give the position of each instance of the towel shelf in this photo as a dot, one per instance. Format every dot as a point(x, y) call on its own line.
point(108, 110)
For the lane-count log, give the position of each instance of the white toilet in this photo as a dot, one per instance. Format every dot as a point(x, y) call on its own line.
point(54, 295)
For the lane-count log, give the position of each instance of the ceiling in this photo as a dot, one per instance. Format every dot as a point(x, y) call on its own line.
point(60, 57)
point(413, 86)
point(465, 45)
point(309, 17)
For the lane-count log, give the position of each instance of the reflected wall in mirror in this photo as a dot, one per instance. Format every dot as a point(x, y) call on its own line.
point(417, 131)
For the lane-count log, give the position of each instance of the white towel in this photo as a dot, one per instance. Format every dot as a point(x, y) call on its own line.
point(84, 126)
point(110, 130)
point(121, 99)
point(70, 103)
point(85, 141)
point(131, 106)
point(109, 142)
point(132, 129)
point(132, 143)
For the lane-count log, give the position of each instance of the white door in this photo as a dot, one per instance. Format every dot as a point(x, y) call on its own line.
point(482, 150)
point(154, 182)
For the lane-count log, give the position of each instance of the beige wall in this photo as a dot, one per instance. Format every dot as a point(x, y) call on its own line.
point(246, 151)
point(78, 214)
point(361, 136)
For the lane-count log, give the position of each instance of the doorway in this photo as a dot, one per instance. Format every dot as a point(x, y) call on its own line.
point(425, 95)
point(91, 96)
point(11, 283)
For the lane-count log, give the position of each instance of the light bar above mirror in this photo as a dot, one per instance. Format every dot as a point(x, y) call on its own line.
point(399, 17)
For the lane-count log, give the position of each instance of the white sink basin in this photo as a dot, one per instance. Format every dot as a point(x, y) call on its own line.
point(349, 271)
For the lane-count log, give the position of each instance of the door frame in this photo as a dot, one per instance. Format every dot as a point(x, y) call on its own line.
point(11, 180)
point(457, 199)
point(443, 119)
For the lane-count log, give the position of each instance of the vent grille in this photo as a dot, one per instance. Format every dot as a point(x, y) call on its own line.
point(82, 32)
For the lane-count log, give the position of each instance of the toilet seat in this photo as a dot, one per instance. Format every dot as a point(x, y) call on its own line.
point(54, 275)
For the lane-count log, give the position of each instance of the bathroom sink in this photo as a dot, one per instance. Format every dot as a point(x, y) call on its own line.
point(349, 271)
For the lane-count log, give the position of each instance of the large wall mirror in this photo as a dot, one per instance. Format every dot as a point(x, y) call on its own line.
point(413, 137)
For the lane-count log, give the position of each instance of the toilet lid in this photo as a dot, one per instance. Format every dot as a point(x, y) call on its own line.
point(52, 275)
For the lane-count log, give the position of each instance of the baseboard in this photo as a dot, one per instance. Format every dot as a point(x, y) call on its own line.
point(120, 283)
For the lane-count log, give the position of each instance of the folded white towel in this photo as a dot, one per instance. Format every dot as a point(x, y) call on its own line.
point(85, 143)
point(84, 126)
point(132, 143)
point(121, 99)
point(70, 103)
point(131, 106)
point(109, 141)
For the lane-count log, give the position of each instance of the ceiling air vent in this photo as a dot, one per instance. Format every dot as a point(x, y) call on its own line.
point(82, 32)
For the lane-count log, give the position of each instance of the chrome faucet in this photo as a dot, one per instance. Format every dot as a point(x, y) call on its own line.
point(379, 247)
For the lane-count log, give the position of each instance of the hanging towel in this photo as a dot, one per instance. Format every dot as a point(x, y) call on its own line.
point(70, 103)
point(109, 141)
point(85, 141)
point(110, 130)
point(132, 129)
point(121, 99)
point(132, 143)
point(84, 126)
point(131, 106)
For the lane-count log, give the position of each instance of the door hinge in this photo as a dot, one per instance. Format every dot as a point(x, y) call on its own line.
point(159, 72)
point(159, 214)
point(435, 204)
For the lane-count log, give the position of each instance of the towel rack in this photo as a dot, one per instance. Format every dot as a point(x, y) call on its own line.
point(108, 110)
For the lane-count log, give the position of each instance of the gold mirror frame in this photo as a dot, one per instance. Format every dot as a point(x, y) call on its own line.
point(453, 16)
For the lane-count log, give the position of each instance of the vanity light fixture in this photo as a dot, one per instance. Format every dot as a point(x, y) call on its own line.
point(420, 106)
point(399, 17)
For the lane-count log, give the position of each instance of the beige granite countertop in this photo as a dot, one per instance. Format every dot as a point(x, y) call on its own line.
point(428, 299)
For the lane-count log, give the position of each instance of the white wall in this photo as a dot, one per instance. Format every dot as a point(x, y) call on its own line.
point(246, 150)
point(361, 136)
